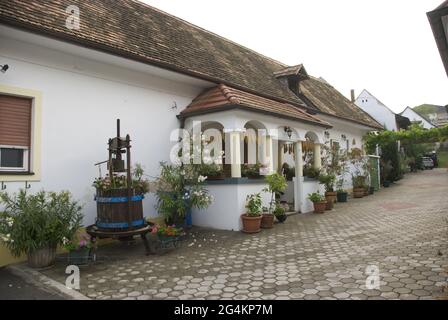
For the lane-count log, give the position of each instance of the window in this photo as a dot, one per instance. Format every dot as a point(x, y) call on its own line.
point(15, 133)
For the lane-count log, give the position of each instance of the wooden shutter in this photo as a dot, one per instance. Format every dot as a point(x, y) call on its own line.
point(15, 121)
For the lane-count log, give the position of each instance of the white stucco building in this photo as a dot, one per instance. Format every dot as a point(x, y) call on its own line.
point(414, 117)
point(71, 85)
point(379, 111)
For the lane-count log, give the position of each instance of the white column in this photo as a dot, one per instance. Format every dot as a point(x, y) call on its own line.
point(298, 158)
point(270, 154)
point(298, 179)
point(235, 154)
point(317, 159)
point(280, 156)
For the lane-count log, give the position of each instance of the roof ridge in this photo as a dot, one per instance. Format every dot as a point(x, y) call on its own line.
point(228, 94)
point(210, 32)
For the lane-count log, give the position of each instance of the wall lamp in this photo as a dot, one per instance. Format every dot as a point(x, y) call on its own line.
point(4, 68)
point(344, 137)
point(327, 134)
point(288, 131)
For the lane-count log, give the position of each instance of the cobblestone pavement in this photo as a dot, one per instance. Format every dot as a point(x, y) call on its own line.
point(402, 230)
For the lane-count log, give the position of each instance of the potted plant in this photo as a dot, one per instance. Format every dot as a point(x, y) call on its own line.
point(212, 171)
point(251, 171)
point(280, 214)
point(276, 185)
point(267, 219)
point(386, 169)
point(252, 218)
point(318, 201)
point(358, 186)
point(328, 181)
point(341, 193)
point(360, 172)
point(179, 189)
point(79, 248)
point(35, 224)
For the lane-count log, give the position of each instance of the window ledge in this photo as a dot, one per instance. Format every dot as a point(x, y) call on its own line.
point(16, 173)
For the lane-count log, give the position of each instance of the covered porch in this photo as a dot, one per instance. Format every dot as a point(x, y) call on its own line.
point(249, 145)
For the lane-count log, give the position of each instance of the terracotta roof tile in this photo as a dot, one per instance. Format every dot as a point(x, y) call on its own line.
point(222, 97)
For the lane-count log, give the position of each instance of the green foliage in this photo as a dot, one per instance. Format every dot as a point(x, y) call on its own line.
point(311, 172)
point(442, 156)
point(410, 140)
point(180, 188)
point(279, 211)
point(211, 169)
point(328, 180)
point(414, 135)
point(316, 197)
point(426, 109)
point(30, 222)
point(119, 181)
point(251, 170)
point(254, 205)
point(276, 183)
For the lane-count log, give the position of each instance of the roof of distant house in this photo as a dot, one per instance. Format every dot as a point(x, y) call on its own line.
point(143, 33)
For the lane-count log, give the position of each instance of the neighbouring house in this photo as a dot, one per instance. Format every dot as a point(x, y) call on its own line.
point(417, 118)
point(438, 18)
point(437, 115)
point(380, 112)
point(66, 86)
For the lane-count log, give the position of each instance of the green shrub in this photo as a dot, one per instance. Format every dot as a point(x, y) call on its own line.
point(316, 197)
point(254, 205)
point(30, 222)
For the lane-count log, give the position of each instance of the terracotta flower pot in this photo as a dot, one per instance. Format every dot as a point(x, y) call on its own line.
point(251, 224)
point(331, 199)
point(331, 196)
point(319, 207)
point(366, 192)
point(358, 192)
point(267, 220)
point(43, 257)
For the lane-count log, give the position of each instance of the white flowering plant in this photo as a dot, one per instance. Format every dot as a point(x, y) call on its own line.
point(180, 188)
point(32, 221)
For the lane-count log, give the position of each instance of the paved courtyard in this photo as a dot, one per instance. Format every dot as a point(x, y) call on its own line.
point(402, 230)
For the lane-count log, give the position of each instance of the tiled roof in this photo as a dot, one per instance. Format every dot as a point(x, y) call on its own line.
point(222, 97)
point(327, 99)
point(136, 30)
point(140, 32)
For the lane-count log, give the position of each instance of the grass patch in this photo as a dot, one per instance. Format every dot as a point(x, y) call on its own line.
point(442, 156)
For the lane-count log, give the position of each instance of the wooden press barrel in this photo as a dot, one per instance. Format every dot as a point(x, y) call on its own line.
point(112, 210)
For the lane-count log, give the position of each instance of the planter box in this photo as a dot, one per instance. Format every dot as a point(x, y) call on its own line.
point(43, 257)
point(79, 257)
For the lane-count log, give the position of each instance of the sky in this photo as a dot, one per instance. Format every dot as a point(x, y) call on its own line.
point(384, 46)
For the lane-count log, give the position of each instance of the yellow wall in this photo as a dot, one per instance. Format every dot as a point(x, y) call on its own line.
point(6, 258)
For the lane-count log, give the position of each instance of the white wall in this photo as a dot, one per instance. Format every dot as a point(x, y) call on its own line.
point(229, 204)
point(81, 99)
point(309, 186)
point(415, 117)
point(377, 110)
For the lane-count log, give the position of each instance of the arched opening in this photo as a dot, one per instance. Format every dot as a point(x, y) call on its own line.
point(253, 151)
point(310, 148)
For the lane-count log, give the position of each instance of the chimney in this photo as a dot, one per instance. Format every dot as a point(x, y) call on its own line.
point(352, 95)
